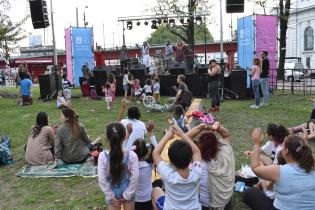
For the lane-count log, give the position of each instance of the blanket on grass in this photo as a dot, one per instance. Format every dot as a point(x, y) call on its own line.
point(87, 170)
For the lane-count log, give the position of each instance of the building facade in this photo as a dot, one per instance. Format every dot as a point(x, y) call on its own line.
point(301, 32)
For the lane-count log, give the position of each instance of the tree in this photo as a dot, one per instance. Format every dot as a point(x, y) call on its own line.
point(284, 12)
point(162, 34)
point(186, 10)
point(261, 3)
point(10, 33)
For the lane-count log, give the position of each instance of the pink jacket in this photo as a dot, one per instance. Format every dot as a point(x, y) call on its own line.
point(103, 172)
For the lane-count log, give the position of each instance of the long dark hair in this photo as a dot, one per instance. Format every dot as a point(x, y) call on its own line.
point(208, 145)
point(116, 134)
point(279, 132)
point(178, 111)
point(300, 152)
point(41, 121)
point(143, 150)
point(72, 119)
point(111, 78)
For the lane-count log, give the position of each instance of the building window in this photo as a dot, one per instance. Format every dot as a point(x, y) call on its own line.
point(308, 62)
point(309, 39)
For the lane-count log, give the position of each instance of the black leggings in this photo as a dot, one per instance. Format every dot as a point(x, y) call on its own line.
point(213, 88)
point(143, 205)
point(257, 200)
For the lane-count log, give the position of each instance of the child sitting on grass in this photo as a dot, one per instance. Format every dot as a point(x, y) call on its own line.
point(62, 102)
point(181, 182)
point(179, 118)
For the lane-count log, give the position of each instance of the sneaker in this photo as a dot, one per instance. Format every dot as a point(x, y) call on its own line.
point(262, 104)
point(254, 106)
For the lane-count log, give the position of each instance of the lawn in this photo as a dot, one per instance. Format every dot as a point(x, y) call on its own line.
point(81, 193)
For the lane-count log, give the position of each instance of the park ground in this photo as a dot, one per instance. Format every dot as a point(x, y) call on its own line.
point(82, 193)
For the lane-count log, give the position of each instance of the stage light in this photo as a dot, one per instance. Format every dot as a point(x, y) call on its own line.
point(159, 21)
point(129, 25)
point(138, 23)
point(188, 20)
point(154, 26)
point(146, 23)
point(171, 23)
point(182, 21)
point(198, 20)
point(165, 20)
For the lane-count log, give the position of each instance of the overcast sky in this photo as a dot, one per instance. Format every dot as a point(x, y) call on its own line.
point(106, 12)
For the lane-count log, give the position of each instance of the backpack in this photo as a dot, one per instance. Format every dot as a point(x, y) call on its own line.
point(5, 155)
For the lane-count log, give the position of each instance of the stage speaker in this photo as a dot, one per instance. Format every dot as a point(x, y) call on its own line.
point(47, 85)
point(39, 13)
point(138, 70)
point(234, 6)
point(238, 82)
point(177, 68)
point(201, 68)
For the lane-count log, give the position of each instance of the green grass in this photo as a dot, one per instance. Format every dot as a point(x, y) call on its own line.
point(80, 193)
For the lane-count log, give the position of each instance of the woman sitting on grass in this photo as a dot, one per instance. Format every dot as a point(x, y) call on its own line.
point(72, 143)
point(118, 171)
point(218, 166)
point(294, 182)
point(40, 144)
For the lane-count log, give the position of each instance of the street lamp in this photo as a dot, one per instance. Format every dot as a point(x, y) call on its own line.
point(84, 21)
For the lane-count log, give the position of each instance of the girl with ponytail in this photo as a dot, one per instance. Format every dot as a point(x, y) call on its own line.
point(294, 182)
point(118, 170)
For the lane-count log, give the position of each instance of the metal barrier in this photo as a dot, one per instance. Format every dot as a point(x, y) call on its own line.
point(295, 80)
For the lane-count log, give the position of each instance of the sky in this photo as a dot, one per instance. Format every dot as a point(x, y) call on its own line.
point(105, 13)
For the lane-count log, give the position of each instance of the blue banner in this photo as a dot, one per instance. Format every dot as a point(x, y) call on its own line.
point(246, 44)
point(82, 48)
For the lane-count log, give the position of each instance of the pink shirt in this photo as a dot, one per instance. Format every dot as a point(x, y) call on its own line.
point(256, 72)
point(108, 92)
point(103, 173)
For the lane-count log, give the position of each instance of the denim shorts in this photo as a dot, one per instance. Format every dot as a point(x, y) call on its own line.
point(160, 202)
point(125, 87)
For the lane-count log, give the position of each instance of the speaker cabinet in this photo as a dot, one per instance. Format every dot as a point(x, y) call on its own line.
point(238, 82)
point(201, 68)
point(47, 85)
point(177, 68)
point(138, 70)
point(234, 6)
point(39, 13)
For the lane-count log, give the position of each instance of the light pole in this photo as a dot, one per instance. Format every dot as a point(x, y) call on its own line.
point(53, 34)
point(84, 22)
point(221, 36)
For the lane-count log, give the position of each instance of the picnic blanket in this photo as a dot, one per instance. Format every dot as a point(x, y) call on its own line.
point(87, 170)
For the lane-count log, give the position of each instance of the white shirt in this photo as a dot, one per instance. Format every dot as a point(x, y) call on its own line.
point(60, 100)
point(204, 194)
point(270, 149)
point(138, 131)
point(144, 188)
point(126, 80)
point(180, 193)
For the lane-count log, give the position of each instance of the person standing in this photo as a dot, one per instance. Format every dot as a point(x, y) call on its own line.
point(256, 71)
point(123, 57)
point(214, 72)
point(168, 53)
point(86, 72)
point(26, 89)
point(179, 49)
point(265, 78)
point(145, 50)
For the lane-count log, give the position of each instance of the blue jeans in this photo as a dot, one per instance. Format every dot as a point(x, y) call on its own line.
point(256, 86)
point(265, 89)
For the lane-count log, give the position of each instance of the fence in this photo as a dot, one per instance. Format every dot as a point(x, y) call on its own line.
point(296, 81)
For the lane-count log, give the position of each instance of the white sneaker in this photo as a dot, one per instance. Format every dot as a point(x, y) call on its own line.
point(254, 106)
point(262, 104)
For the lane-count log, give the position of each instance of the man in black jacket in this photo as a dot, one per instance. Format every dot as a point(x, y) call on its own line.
point(265, 78)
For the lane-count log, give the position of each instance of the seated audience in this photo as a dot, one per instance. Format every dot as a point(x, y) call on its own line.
point(218, 166)
point(181, 182)
point(138, 127)
point(62, 102)
point(118, 171)
point(179, 118)
point(294, 182)
point(309, 126)
point(276, 135)
point(40, 144)
point(72, 143)
point(144, 188)
point(179, 98)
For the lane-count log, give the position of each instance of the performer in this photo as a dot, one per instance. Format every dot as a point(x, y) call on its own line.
point(168, 53)
point(179, 50)
point(86, 72)
point(123, 57)
point(145, 49)
point(265, 78)
point(214, 72)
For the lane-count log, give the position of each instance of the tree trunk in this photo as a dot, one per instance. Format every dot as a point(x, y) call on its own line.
point(284, 18)
point(191, 38)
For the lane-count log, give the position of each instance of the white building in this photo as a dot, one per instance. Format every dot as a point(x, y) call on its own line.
point(301, 32)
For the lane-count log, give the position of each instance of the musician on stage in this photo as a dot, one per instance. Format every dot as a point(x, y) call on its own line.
point(180, 50)
point(168, 53)
point(123, 57)
point(214, 72)
point(145, 49)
